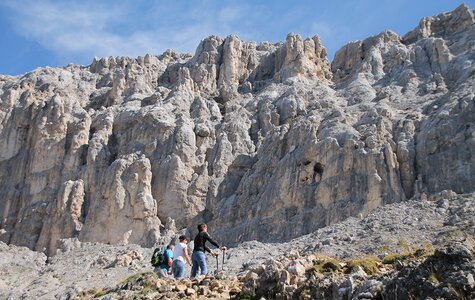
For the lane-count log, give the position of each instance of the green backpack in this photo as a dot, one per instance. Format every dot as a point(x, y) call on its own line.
point(157, 257)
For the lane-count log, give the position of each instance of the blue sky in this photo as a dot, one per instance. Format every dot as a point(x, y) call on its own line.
point(37, 33)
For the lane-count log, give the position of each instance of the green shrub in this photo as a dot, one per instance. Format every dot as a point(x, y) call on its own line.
point(92, 294)
point(393, 257)
point(369, 264)
point(327, 265)
point(99, 293)
point(426, 250)
point(433, 278)
point(331, 266)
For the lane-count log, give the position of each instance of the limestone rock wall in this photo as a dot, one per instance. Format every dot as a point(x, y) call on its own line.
point(266, 141)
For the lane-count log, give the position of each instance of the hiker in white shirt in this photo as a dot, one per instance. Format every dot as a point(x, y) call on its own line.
point(180, 256)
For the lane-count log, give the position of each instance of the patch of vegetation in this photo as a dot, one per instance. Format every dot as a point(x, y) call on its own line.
point(384, 248)
point(426, 251)
point(401, 244)
point(327, 265)
point(421, 253)
point(393, 257)
point(100, 293)
point(369, 264)
point(139, 277)
point(92, 294)
point(142, 282)
point(433, 278)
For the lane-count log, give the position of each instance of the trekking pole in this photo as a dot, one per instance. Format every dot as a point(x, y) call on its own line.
point(222, 266)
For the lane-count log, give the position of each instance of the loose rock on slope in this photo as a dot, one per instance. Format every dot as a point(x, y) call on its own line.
point(402, 235)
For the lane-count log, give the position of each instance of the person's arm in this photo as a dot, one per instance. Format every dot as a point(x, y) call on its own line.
point(211, 252)
point(185, 255)
point(170, 261)
point(208, 238)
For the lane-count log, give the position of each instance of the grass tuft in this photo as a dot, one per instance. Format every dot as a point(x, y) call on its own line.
point(369, 264)
point(327, 264)
point(393, 257)
point(433, 278)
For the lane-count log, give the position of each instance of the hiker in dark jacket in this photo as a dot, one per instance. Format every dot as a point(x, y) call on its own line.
point(198, 257)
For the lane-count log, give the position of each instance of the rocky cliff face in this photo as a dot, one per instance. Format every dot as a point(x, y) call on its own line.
point(264, 141)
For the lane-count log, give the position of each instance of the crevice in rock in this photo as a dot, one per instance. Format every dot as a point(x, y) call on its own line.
point(253, 133)
point(418, 178)
point(265, 71)
point(84, 208)
point(210, 153)
point(112, 146)
point(83, 154)
point(222, 109)
point(220, 50)
point(92, 130)
point(317, 172)
point(68, 139)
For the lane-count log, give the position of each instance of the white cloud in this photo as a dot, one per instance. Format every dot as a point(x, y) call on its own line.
point(69, 27)
point(231, 13)
point(88, 28)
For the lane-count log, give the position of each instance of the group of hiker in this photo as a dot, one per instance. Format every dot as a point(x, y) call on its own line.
point(173, 259)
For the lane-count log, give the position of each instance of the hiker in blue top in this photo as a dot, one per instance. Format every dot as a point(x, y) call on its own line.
point(164, 269)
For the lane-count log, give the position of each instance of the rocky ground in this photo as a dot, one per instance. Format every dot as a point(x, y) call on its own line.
point(421, 248)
